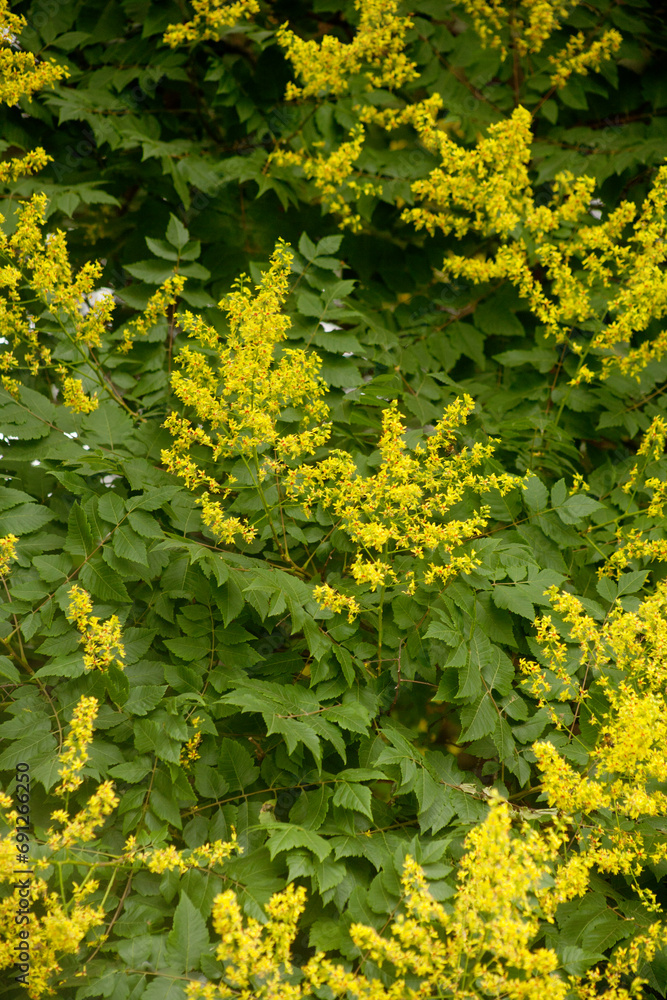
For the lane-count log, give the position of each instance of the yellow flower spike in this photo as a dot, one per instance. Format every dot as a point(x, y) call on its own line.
point(31, 163)
point(75, 397)
point(581, 55)
point(190, 751)
point(73, 759)
point(325, 67)
point(81, 828)
point(21, 75)
point(102, 641)
point(239, 398)
point(7, 552)
point(628, 763)
point(334, 601)
point(157, 306)
point(211, 18)
point(403, 508)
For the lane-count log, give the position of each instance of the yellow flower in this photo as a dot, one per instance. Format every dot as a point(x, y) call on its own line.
point(75, 755)
point(20, 72)
point(165, 298)
point(190, 752)
point(211, 18)
point(325, 67)
point(75, 397)
point(81, 828)
point(404, 507)
point(241, 397)
point(101, 640)
point(7, 552)
point(581, 55)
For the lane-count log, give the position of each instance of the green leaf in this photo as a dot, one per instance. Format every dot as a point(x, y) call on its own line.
point(132, 770)
point(111, 508)
point(161, 249)
point(188, 938)
point(23, 519)
point(235, 765)
point(559, 493)
point(229, 599)
point(144, 698)
point(145, 525)
point(151, 271)
point(355, 797)
point(177, 234)
point(128, 545)
point(437, 630)
point(535, 494)
point(328, 245)
point(102, 582)
point(8, 670)
point(514, 599)
point(478, 719)
point(285, 837)
point(79, 536)
point(577, 507)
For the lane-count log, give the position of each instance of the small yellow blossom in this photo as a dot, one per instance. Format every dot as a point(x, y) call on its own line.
point(325, 67)
point(81, 828)
point(165, 298)
point(73, 759)
point(101, 640)
point(333, 600)
point(75, 397)
point(580, 55)
point(7, 552)
point(21, 74)
point(190, 752)
point(211, 18)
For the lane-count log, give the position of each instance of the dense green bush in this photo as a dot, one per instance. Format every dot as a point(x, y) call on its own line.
point(303, 570)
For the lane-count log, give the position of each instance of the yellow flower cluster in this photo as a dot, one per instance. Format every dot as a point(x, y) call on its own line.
point(59, 930)
point(651, 448)
point(561, 264)
point(239, 400)
point(42, 263)
point(20, 73)
point(333, 600)
point(482, 944)
point(325, 67)
point(332, 175)
point(404, 507)
point(469, 190)
point(169, 859)
point(190, 752)
point(75, 755)
point(166, 297)
point(524, 28)
point(101, 640)
point(7, 552)
point(254, 952)
point(81, 828)
point(75, 396)
point(628, 763)
point(211, 18)
point(581, 55)
point(634, 545)
point(12, 169)
point(56, 926)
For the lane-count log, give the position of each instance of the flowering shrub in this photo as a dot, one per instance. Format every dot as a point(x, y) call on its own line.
point(332, 607)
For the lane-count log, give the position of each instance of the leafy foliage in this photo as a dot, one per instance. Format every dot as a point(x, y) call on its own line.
point(332, 591)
